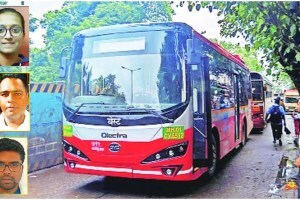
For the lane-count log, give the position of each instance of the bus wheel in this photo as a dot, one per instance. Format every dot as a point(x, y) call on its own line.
point(244, 136)
point(213, 168)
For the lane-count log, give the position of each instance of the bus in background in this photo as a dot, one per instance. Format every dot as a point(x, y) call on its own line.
point(290, 98)
point(155, 101)
point(262, 99)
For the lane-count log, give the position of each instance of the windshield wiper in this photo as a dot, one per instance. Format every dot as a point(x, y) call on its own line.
point(77, 109)
point(151, 112)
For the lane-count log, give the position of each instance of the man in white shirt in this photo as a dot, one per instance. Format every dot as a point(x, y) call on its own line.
point(14, 99)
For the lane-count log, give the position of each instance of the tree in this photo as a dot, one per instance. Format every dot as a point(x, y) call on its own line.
point(270, 27)
point(62, 24)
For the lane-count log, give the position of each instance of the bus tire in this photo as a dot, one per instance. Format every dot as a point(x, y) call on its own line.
point(213, 168)
point(244, 135)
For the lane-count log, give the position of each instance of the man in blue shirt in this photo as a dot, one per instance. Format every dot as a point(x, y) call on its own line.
point(277, 114)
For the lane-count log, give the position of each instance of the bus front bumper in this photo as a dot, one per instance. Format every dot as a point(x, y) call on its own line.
point(163, 172)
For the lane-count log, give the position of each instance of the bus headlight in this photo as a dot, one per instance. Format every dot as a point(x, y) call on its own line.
point(171, 170)
point(170, 152)
point(72, 165)
point(157, 156)
point(72, 150)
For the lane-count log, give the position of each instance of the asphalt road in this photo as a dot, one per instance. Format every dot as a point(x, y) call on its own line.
point(246, 173)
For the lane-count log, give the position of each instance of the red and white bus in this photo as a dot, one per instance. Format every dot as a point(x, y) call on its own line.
point(152, 101)
point(262, 94)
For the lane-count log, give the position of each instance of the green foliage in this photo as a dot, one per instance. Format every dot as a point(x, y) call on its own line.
point(269, 27)
point(62, 24)
point(33, 23)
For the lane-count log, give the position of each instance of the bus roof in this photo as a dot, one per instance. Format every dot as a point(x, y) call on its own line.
point(134, 27)
point(156, 26)
point(257, 76)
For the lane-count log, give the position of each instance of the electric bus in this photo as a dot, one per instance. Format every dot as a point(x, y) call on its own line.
point(151, 101)
point(262, 94)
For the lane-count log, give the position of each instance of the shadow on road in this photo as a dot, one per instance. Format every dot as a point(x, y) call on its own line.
point(154, 188)
point(257, 131)
point(150, 188)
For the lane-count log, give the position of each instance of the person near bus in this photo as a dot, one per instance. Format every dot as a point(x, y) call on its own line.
point(277, 114)
point(296, 116)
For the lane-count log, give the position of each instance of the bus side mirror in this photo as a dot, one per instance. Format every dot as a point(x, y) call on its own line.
point(64, 61)
point(193, 51)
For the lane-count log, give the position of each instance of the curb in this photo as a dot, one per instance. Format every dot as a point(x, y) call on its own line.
point(288, 177)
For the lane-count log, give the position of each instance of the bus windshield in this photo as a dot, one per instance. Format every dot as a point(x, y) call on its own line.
point(290, 99)
point(257, 90)
point(117, 72)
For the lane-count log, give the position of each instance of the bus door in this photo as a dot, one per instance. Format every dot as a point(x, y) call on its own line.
point(236, 106)
point(201, 114)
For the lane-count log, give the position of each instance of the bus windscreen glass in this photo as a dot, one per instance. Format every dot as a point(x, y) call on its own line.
point(257, 90)
point(117, 71)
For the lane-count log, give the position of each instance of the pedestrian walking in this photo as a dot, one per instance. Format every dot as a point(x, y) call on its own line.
point(277, 114)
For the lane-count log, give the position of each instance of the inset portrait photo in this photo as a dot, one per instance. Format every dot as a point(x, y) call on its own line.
point(14, 36)
point(13, 165)
point(14, 102)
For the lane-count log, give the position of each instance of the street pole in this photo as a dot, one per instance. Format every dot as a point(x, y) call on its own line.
point(131, 74)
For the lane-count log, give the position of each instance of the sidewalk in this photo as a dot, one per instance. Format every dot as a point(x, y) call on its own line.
point(288, 177)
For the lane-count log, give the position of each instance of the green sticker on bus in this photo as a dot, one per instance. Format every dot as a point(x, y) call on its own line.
point(67, 131)
point(173, 133)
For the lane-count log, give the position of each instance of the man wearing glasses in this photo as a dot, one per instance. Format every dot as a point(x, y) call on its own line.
point(12, 156)
point(14, 99)
point(11, 38)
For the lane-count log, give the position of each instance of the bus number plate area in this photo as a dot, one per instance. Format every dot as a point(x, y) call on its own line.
point(173, 133)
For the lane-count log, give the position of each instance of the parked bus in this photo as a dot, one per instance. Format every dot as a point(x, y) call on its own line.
point(262, 99)
point(291, 97)
point(151, 101)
